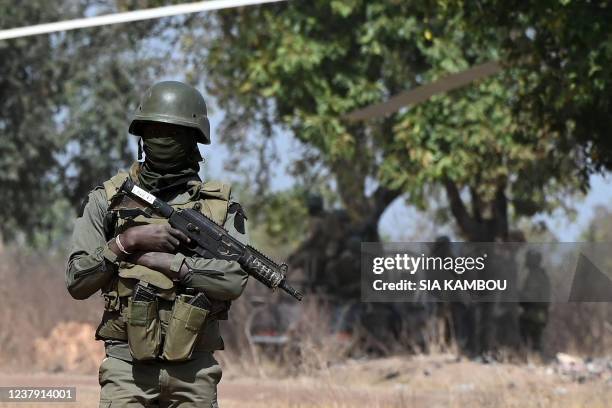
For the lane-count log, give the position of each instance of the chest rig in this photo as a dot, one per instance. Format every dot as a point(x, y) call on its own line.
point(210, 198)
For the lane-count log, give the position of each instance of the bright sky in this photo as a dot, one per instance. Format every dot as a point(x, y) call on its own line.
point(599, 195)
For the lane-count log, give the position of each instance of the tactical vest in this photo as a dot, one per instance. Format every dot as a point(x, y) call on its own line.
point(212, 199)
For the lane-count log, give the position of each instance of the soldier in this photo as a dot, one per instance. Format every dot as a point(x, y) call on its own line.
point(336, 253)
point(535, 301)
point(498, 319)
point(159, 349)
point(309, 256)
point(454, 308)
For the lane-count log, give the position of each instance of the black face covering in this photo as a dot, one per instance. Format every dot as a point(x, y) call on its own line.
point(168, 154)
point(169, 161)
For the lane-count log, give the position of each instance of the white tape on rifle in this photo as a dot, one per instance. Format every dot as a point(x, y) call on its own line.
point(148, 197)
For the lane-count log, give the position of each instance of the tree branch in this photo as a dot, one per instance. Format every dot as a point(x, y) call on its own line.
point(466, 223)
point(476, 205)
point(382, 198)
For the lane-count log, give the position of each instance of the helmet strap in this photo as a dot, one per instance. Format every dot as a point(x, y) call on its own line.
point(140, 149)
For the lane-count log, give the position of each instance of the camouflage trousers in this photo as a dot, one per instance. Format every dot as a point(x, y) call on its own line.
point(160, 384)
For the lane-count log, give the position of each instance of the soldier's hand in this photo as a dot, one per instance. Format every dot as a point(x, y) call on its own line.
point(152, 238)
point(159, 261)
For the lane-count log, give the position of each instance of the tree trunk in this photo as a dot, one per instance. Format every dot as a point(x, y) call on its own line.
point(474, 227)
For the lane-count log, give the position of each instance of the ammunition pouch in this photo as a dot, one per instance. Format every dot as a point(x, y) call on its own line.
point(143, 329)
point(184, 328)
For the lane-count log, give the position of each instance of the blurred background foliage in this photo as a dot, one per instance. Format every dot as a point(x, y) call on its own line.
point(508, 147)
point(499, 151)
point(65, 101)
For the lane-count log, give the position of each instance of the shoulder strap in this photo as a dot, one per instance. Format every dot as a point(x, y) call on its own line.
point(217, 190)
point(216, 196)
point(112, 185)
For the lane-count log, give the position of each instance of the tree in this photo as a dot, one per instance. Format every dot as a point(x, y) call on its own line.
point(468, 142)
point(65, 100)
point(302, 66)
point(600, 227)
point(505, 147)
point(562, 50)
point(283, 66)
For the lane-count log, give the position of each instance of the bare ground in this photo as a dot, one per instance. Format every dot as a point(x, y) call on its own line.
point(423, 381)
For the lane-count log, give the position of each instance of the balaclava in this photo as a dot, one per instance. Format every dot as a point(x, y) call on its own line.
point(170, 161)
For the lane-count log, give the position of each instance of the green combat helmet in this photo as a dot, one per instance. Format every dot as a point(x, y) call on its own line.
point(175, 103)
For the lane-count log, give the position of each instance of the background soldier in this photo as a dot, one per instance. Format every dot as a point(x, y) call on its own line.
point(159, 349)
point(536, 293)
point(452, 308)
point(340, 277)
point(310, 255)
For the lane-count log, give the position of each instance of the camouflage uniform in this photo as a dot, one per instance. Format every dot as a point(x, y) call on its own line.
point(188, 376)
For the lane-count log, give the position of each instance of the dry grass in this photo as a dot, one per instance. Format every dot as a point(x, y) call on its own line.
point(33, 302)
point(402, 382)
point(580, 328)
point(43, 330)
point(421, 381)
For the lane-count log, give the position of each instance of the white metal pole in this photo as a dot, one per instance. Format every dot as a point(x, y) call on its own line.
point(128, 16)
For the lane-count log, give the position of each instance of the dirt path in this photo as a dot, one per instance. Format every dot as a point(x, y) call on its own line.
point(248, 392)
point(395, 382)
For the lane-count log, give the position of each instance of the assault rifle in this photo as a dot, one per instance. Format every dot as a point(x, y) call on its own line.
point(210, 240)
